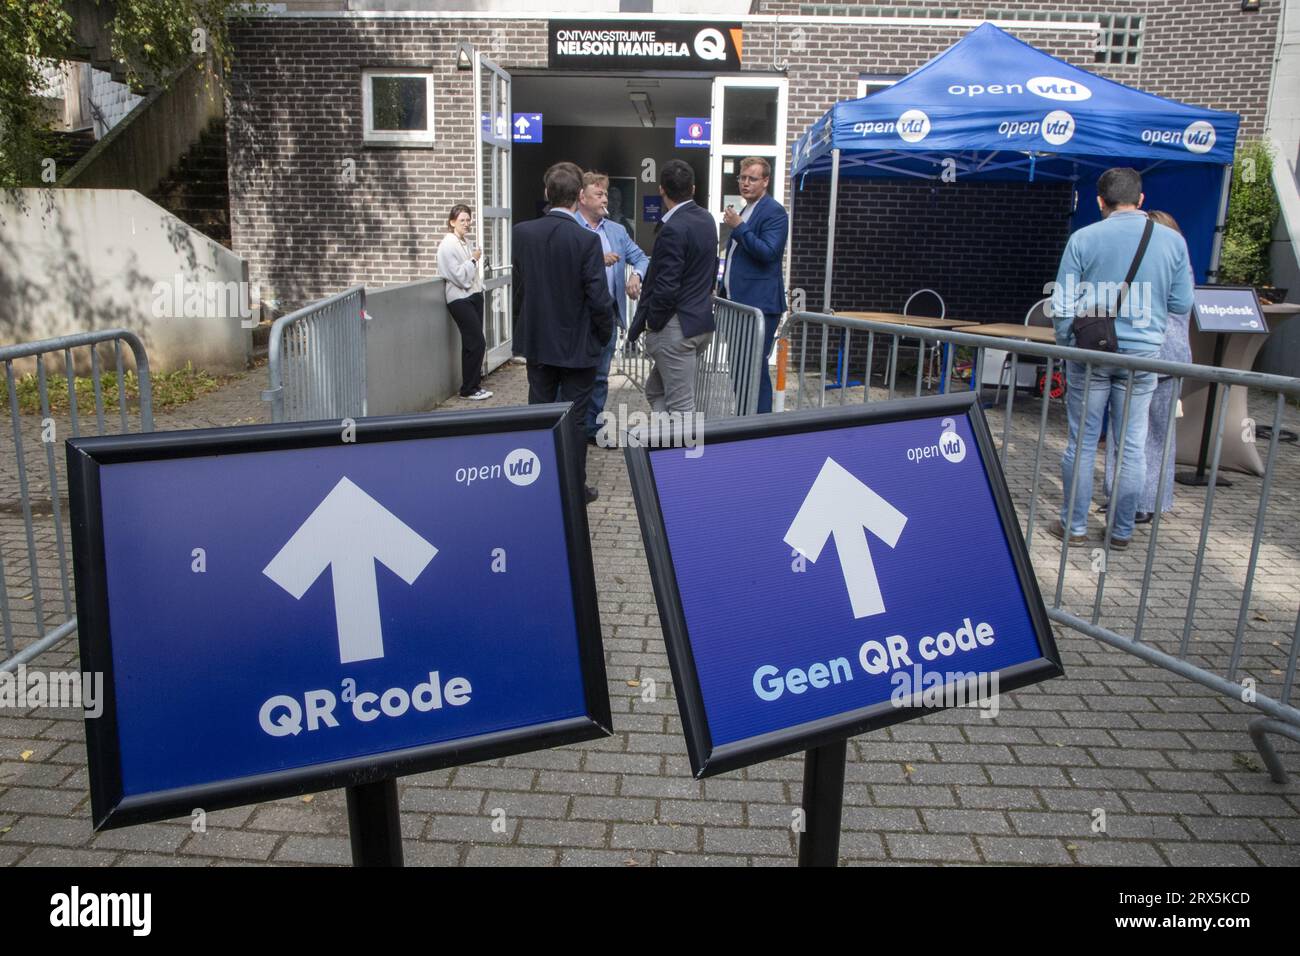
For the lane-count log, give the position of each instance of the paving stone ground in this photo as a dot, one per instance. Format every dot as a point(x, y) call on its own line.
point(1167, 760)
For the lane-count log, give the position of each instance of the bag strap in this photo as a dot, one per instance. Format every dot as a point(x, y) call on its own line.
point(1133, 268)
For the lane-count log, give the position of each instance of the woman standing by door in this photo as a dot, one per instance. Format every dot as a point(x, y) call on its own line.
point(458, 266)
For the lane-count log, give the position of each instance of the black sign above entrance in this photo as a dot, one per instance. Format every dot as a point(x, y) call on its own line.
point(644, 45)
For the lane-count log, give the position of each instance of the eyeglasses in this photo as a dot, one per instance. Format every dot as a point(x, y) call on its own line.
point(752, 179)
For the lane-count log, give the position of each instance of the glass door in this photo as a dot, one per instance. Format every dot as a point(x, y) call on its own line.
point(749, 117)
point(492, 147)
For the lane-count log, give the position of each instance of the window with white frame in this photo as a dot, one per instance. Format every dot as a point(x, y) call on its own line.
point(1119, 42)
point(869, 83)
point(398, 107)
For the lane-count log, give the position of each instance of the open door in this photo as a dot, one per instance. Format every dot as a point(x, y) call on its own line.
point(492, 157)
point(749, 117)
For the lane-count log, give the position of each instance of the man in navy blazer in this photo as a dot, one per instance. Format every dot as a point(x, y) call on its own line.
point(566, 314)
point(676, 309)
point(755, 256)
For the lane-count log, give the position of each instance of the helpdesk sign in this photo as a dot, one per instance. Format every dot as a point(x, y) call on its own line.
point(1228, 308)
point(824, 573)
point(288, 608)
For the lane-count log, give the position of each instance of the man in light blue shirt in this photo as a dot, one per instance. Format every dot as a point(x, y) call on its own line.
point(620, 251)
point(1089, 281)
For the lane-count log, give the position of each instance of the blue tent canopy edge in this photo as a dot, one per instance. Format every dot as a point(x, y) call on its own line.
point(994, 108)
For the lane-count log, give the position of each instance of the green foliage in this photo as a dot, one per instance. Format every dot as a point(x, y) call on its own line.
point(32, 35)
point(151, 38)
point(1252, 213)
point(155, 37)
point(168, 390)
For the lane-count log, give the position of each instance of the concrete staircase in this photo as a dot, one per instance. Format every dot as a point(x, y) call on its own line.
point(68, 146)
point(196, 190)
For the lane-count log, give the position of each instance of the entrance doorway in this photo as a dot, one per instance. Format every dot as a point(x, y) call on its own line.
point(613, 124)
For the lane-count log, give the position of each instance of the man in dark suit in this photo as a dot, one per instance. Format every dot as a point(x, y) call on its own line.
point(676, 309)
point(566, 314)
point(755, 256)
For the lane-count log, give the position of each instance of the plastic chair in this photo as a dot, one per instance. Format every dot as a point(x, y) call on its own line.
point(930, 371)
point(1037, 315)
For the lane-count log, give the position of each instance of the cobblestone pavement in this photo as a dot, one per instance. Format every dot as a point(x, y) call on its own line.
point(1167, 760)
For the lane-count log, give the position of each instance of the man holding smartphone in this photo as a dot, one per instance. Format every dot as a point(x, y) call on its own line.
point(755, 257)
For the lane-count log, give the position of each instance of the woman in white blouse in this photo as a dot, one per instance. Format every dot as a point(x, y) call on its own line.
point(458, 266)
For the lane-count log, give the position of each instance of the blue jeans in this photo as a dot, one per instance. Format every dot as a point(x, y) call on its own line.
point(600, 391)
point(1108, 386)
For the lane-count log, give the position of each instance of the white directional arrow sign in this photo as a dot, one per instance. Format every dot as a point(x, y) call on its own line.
point(839, 504)
point(522, 125)
point(348, 532)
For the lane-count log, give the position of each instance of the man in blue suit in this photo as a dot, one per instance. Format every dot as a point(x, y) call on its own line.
point(755, 256)
point(676, 307)
point(619, 251)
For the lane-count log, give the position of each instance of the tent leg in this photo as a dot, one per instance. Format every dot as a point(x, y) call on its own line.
point(1212, 275)
point(830, 230)
point(789, 239)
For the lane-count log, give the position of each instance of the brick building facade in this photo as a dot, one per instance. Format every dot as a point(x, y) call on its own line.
point(315, 209)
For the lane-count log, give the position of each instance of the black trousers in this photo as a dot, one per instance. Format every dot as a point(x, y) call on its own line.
point(468, 316)
point(554, 383)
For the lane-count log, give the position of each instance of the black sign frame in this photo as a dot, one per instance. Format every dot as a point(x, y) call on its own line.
point(706, 759)
point(1259, 310)
point(85, 456)
point(593, 35)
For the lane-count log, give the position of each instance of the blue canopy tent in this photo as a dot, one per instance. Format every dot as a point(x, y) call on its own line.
point(991, 107)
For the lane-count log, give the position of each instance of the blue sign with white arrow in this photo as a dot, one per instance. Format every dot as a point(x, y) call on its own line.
point(291, 607)
point(527, 128)
point(820, 574)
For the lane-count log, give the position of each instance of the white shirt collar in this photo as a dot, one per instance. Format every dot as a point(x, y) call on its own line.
point(669, 213)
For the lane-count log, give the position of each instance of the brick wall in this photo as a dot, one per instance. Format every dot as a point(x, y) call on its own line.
point(295, 117)
point(987, 248)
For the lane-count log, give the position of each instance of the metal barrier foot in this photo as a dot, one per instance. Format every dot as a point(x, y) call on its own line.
point(1259, 728)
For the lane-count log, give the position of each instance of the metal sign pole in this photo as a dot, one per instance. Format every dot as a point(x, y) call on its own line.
point(1198, 477)
point(375, 825)
point(823, 804)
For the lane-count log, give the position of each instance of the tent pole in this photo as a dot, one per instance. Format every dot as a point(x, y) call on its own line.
point(789, 239)
point(1212, 275)
point(830, 229)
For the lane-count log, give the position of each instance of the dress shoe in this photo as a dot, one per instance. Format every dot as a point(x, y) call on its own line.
point(1143, 517)
point(592, 494)
point(1116, 544)
point(1057, 531)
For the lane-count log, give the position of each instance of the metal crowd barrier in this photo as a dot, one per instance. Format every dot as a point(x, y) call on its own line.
point(1155, 627)
point(317, 360)
point(32, 619)
point(631, 360)
point(726, 379)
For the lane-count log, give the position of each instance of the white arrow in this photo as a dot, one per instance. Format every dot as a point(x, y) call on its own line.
point(839, 504)
point(348, 532)
point(522, 125)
